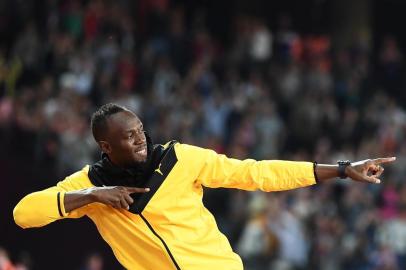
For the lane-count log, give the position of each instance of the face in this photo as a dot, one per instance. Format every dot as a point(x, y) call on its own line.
point(125, 141)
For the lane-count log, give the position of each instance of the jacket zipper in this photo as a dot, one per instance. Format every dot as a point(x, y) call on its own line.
point(162, 241)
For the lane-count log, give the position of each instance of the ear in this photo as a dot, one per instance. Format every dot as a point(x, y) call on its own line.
point(105, 147)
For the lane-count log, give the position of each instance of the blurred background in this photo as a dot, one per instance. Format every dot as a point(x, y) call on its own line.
point(298, 80)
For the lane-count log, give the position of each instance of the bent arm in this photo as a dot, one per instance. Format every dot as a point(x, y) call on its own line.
point(77, 199)
point(43, 207)
point(40, 208)
point(115, 196)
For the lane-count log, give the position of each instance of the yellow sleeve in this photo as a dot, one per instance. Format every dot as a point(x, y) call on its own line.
point(216, 170)
point(43, 207)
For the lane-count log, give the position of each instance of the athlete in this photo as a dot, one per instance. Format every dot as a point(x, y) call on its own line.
point(146, 199)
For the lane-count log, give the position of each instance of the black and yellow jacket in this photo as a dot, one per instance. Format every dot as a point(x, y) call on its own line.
point(168, 227)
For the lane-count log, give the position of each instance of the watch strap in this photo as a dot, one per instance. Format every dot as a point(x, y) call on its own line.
point(342, 164)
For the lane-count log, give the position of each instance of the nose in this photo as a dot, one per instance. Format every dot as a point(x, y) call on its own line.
point(140, 140)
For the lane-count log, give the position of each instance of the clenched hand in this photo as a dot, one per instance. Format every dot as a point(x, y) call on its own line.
point(116, 196)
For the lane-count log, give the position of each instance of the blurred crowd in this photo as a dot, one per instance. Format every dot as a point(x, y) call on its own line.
point(93, 261)
point(263, 92)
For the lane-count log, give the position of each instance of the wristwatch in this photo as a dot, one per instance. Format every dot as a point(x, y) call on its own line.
point(342, 164)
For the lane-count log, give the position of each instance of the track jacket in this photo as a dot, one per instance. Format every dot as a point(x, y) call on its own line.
point(169, 227)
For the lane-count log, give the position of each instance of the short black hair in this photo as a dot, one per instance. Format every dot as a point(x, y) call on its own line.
point(98, 122)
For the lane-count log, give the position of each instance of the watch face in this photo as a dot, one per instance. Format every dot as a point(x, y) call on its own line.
point(343, 162)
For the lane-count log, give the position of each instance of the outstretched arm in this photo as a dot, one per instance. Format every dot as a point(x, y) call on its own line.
point(216, 170)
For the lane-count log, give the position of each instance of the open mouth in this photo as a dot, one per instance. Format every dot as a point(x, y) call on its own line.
point(142, 151)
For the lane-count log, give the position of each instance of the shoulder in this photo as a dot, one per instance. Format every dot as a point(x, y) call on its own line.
point(187, 151)
point(77, 180)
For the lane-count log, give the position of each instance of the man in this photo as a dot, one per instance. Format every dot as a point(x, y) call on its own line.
point(146, 200)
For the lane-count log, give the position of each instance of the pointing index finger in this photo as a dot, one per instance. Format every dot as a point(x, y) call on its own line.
point(384, 160)
point(137, 190)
